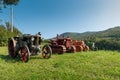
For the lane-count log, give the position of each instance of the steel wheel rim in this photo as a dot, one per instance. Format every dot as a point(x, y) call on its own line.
point(24, 54)
point(46, 52)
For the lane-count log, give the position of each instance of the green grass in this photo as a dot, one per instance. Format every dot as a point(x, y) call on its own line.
point(92, 65)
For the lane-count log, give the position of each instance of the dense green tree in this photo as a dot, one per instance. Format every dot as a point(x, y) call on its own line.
point(108, 44)
point(4, 3)
point(5, 34)
point(10, 2)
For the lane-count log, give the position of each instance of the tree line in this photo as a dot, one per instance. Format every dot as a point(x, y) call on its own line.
point(104, 43)
point(5, 33)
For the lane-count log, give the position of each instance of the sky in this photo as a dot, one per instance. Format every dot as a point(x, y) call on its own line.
point(51, 17)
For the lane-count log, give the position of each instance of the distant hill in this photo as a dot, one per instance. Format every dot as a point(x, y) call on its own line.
point(104, 40)
point(109, 34)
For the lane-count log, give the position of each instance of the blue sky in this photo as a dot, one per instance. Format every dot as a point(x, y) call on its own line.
point(51, 17)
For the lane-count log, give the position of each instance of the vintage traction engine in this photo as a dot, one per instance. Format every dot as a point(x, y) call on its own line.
point(27, 45)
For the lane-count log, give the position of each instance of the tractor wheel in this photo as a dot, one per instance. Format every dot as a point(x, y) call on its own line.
point(86, 48)
point(72, 49)
point(46, 51)
point(61, 49)
point(11, 47)
point(79, 48)
point(24, 54)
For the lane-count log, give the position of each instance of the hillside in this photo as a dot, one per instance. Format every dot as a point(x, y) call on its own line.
point(109, 33)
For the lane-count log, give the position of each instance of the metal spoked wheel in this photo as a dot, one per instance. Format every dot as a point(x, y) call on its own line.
point(46, 51)
point(72, 49)
point(24, 54)
point(11, 48)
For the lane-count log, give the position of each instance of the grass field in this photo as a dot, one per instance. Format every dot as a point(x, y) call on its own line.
point(92, 65)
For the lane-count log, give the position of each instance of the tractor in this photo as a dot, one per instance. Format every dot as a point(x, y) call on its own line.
point(65, 44)
point(27, 45)
point(61, 45)
point(80, 45)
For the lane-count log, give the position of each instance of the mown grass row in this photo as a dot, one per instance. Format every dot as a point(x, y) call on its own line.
point(92, 65)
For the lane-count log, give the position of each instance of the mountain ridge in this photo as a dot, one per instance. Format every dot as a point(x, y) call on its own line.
point(111, 32)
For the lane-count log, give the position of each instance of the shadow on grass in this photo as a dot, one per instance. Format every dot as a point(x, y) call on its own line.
point(37, 57)
point(8, 59)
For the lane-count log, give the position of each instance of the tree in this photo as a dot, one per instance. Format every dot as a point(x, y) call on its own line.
point(5, 33)
point(10, 2)
point(1, 1)
point(8, 26)
point(7, 2)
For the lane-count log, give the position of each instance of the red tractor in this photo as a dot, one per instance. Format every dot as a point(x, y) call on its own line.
point(80, 46)
point(61, 45)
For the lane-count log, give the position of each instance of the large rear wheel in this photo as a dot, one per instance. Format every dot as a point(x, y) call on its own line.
point(46, 51)
point(11, 47)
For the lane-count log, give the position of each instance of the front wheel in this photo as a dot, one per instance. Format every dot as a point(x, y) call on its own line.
point(46, 51)
point(24, 54)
